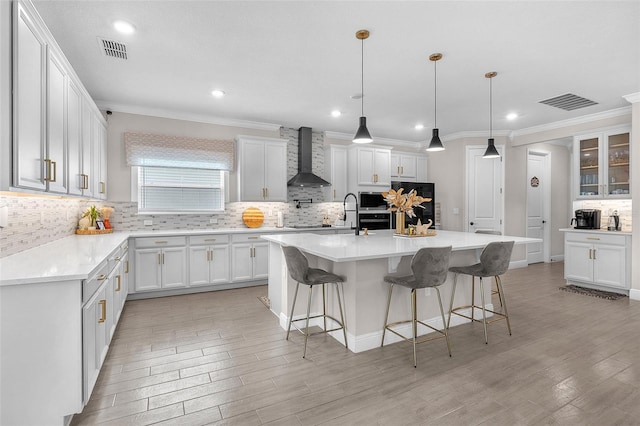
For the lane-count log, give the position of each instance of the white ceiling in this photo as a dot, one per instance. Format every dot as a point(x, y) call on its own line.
point(292, 62)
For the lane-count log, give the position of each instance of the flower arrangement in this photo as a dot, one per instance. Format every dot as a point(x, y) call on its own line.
point(404, 203)
point(93, 213)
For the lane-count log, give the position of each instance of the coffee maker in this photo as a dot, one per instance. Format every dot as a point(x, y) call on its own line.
point(587, 219)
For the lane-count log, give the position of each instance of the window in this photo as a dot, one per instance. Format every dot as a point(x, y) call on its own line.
point(180, 190)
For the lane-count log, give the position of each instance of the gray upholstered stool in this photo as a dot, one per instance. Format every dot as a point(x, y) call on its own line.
point(429, 266)
point(492, 232)
point(494, 261)
point(299, 270)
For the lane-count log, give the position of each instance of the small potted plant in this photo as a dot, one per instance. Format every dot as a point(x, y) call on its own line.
point(93, 213)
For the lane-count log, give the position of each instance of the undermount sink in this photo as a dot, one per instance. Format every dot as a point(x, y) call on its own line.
point(307, 226)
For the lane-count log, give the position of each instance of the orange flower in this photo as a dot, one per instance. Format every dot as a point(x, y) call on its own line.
point(399, 202)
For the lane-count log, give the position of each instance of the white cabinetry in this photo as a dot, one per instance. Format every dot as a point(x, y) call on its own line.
point(262, 169)
point(601, 164)
point(249, 258)
point(335, 171)
point(597, 259)
point(208, 260)
point(369, 167)
point(161, 263)
point(404, 167)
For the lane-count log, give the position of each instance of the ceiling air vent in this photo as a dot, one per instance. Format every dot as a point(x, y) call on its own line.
point(113, 49)
point(568, 102)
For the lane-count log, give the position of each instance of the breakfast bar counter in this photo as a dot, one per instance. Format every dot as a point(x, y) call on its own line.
point(363, 261)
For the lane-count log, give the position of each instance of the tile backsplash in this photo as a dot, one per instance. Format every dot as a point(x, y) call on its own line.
point(606, 207)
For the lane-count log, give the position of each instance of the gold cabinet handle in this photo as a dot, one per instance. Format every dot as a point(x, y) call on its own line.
point(210, 239)
point(163, 258)
point(126, 267)
point(119, 281)
point(253, 238)
point(593, 238)
point(103, 187)
point(117, 258)
point(47, 170)
point(85, 181)
point(161, 242)
point(55, 171)
point(334, 194)
point(594, 254)
point(590, 250)
point(102, 277)
point(211, 255)
point(401, 170)
point(103, 314)
point(266, 190)
point(159, 259)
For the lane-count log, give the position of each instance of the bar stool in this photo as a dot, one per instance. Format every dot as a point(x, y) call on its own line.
point(298, 267)
point(494, 261)
point(492, 232)
point(429, 266)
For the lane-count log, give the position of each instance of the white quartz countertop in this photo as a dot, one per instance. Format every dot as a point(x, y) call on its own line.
point(383, 244)
point(76, 256)
point(595, 231)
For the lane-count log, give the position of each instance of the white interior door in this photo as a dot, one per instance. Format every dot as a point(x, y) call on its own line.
point(484, 190)
point(538, 200)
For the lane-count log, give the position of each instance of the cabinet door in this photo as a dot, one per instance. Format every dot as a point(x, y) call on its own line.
point(88, 165)
point(91, 367)
point(111, 308)
point(366, 163)
point(260, 260)
point(74, 139)
point(578, 262)
point(609, 266)
point(100, 158)
point(119, 291)
point(55, 162)
point(148, 269)
point(219, 264)
point(100, 326)
point(587, 154)
point(338, 176)
point(408, 167)
point(275, 171)
point(421, 169)
point(395, 166)
point(242, 262)
point(29, 104)
point(618, 165)
point(125, 277)
point(174, 267)
point(382, 168)
point(252, 171)
point(199, 265)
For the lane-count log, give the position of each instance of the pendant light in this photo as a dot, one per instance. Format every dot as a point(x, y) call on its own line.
point(362, 135)
point(491, 151)
point(436, 143)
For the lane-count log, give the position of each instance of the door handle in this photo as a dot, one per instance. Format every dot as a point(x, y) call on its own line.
point(544, 221)
point(471, 223)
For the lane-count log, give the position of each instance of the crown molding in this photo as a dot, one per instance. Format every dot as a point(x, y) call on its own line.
point(177, 115)
point(573, 121)
point(377, 141)
point(474, 134)
point(632, 98)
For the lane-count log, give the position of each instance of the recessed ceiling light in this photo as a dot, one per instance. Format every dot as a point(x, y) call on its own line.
point(124, 27)
point(336, 113)
point(419, 126)
point(512, 116)
point(217, 93)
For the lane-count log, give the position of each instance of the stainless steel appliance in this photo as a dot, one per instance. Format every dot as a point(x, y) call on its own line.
point(377, 220)
point(587, 219)
point(371, 201)
point(423, 189)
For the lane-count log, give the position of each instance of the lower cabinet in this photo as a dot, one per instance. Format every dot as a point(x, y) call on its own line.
point(161, 263)
point(250, 258)
point(208, 260)
point(597, 259)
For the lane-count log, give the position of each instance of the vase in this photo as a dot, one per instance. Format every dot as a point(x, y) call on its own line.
point(400, 222)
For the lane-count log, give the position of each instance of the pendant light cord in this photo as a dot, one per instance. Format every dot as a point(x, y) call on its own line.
point(490, 107)
point(362, 79)
point(435, 94)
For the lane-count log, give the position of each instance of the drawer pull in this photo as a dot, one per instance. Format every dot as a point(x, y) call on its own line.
point(253, 238)
point(210, 239)
point(103, 314)
point(161, 242)
point(102, 277)
point(117, 258)
point(593, 238)
point(126, 268)
point(119, 281)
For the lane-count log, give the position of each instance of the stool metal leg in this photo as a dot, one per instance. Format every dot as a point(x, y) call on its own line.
point(324, 307)
point(446, 334)
point(484, 313)
point(414, 309)
point(344, 326)
point(306, 334)
point(504, 302)
point(473, 296)
point(386, 317)
point(293, 305)
point(453, 293)
point(498, 290)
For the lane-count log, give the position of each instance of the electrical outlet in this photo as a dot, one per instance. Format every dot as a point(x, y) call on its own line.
point(148, 222)
point(427, 291)
point(456, 210)
point(213, 220)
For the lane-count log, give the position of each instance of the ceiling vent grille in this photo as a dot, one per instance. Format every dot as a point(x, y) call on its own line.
point(568, 102)
point(113, 49)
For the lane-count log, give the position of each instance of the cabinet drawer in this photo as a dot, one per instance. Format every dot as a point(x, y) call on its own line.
point(95, 280)
point(246, 238)
point(208, 239)
point(148, 242)
point(596, 238)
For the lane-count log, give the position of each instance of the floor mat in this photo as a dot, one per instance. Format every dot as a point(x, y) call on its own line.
point(265, 301)
point(592, 292)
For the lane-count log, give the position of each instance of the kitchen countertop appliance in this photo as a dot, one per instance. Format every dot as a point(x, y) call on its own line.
point(587, 219)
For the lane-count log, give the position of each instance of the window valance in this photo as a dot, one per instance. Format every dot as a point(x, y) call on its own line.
point(143, 149)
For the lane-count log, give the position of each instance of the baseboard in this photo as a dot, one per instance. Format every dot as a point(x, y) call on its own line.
point(557, 258)
point(518, 264)
point(634, 294)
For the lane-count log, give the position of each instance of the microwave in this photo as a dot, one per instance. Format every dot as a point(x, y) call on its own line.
point(371, 201)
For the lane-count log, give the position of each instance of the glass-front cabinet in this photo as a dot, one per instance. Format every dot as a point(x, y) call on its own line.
point(602, 166)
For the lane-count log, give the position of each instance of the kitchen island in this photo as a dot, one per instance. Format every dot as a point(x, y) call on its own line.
point(363, 261)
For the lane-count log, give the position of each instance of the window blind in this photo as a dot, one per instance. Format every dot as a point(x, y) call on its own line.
point(173, 190)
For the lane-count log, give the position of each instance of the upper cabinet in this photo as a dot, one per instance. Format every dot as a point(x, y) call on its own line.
point(53, 150)
point(262, 169)
point(404, 167)
point(335, 171)
point(601, 164)
point(369, 167)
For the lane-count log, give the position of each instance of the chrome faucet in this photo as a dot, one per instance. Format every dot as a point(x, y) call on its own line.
point(344, 207)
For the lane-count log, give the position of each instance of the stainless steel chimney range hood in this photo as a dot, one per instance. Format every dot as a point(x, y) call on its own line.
point(305, 176)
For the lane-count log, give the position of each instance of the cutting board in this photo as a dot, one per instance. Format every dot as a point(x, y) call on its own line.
point(253, 217)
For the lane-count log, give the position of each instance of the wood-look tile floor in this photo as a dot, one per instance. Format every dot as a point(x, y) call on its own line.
point(221, 358)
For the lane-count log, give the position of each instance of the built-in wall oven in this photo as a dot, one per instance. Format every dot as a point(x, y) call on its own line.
point(375, 220)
